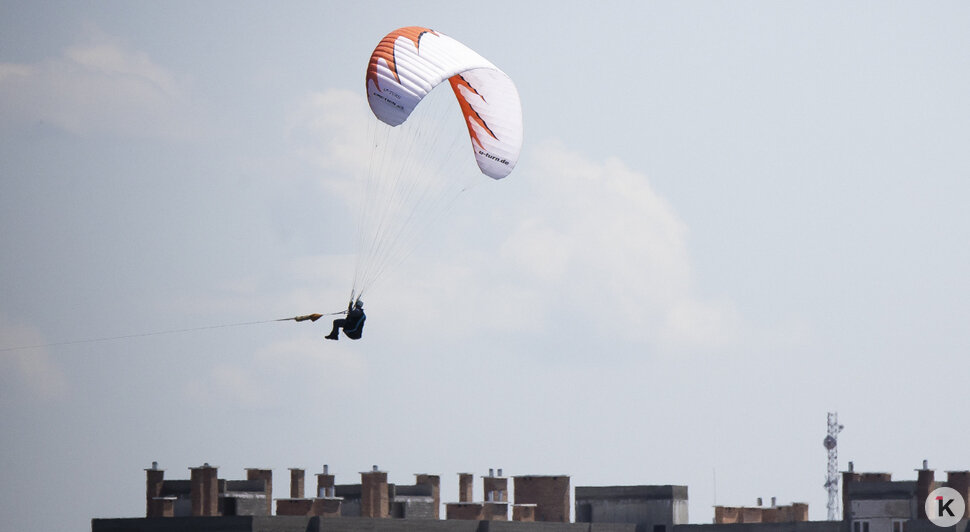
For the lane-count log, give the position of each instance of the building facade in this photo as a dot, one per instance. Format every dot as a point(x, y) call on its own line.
point(873, 502)
point(652, 508)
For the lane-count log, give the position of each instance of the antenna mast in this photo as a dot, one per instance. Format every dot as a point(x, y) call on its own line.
point(832, 478)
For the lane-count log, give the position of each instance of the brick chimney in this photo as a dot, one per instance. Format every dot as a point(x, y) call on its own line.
point(466, 482)
point(496, 488)
point(925, 483)
point(960, 481)
point(325, 483)
point(156, 477)
point(205, 490)
point(296, 483)
point(374, 500)
point(265, 475)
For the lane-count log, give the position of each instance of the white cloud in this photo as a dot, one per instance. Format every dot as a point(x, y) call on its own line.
point(599, 233)
point(97, 88)
point(329, 130)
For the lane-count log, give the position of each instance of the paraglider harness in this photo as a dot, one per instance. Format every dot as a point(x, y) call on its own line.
point(352, 325)
point(354, 322)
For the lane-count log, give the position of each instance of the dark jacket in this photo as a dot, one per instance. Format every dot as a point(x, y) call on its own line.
point(354, 323)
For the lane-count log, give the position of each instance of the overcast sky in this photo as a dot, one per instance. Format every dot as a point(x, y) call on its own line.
point(728, 219)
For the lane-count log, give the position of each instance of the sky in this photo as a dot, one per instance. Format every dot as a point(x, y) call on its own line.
point(728, 219)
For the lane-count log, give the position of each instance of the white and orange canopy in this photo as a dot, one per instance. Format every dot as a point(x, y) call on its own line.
point(411, 61)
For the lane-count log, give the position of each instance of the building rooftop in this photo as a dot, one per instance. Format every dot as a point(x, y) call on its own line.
point(632, 492)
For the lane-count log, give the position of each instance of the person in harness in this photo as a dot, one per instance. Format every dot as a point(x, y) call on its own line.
point(353, 324)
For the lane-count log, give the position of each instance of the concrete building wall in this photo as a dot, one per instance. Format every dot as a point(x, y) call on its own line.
point(434, 482)
point(350, 493)
point(888, 508)
point(627, 511)
point(413, 507)
point(243, 497)
point(881, 513)
point(265, 475)
point(848, 478)
point(924, 525)
point(886, 491)
point(182, 507)
point(350, 508)
point(243, 505)
point(648, 506)
point(680, 514)
point(877, 524)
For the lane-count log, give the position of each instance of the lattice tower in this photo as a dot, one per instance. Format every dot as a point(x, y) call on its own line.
point(832, 477)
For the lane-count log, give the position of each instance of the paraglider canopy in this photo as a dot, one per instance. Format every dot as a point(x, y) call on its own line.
point(409, 62)
point(419, 162)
